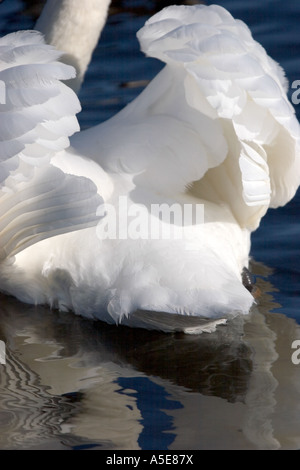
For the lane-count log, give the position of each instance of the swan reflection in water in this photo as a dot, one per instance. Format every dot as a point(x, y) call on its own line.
point(72, 383)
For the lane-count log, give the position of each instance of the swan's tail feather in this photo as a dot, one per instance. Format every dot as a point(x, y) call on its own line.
point(172, 322)
point(228, 77)
point(38, 114)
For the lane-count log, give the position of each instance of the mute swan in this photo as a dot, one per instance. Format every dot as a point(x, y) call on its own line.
point(213, 131)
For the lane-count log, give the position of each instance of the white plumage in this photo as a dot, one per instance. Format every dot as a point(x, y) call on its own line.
point(214, 127)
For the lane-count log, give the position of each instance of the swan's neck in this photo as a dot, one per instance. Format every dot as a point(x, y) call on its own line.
point(74, 27)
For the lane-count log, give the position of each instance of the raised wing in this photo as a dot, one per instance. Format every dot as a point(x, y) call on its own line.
point(37, 116)
point(232, 136)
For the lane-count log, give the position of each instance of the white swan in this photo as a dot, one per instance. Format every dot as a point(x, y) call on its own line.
point(214, 127)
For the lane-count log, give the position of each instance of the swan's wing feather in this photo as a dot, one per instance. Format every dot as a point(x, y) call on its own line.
point(38, 114)
point(229, 79)
point(49, 204)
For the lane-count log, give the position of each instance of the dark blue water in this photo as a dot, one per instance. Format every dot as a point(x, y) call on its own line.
point(152, 400)
point(74, 384)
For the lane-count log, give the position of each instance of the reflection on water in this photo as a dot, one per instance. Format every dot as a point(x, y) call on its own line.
point(73, 383)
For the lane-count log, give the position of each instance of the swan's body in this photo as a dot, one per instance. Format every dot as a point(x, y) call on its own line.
point(214, 128)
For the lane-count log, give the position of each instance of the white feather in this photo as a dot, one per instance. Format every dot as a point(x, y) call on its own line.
point(37, 200)
point(214, 128)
